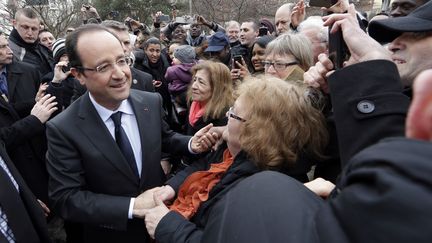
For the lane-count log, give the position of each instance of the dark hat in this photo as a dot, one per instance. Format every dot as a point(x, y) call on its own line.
point(386, 30)
point(58, 49)
point(217, 42)
point(185, 54)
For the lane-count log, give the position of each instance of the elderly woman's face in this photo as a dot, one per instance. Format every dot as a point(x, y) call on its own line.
point(236, 118)
point(201, 88)
point(279, 66)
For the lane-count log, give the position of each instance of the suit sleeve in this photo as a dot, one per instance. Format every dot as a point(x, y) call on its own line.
point(21, 131)
point(67, 187)
point(368, 105)
point(172, 142)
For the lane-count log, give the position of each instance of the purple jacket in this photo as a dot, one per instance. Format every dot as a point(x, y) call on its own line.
point(179, 77)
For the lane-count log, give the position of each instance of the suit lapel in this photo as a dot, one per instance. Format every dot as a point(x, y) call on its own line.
point(142, 111)
point(11, 202)
point(97, 133)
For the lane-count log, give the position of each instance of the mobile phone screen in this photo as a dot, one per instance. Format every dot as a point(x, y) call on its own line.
point(237, 59)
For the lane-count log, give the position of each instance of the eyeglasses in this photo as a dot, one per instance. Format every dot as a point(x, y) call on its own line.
point(231, 114)
point(104, 68)
point(278, 66)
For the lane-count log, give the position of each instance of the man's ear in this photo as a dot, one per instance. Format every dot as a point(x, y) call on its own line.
point(78, 75)
point(419, 119)
point(14, 22)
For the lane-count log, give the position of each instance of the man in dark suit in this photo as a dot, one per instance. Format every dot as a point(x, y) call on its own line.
point(21, 216)
point(21, 128)
point(19, 82)
point(98, 163)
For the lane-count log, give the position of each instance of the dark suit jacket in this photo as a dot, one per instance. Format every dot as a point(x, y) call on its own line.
point(142, 80)
point(23, 83)
point(26, 217)
point(25, 144)
point(91, 182)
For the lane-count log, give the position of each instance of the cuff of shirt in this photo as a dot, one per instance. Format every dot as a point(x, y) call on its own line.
point(130, 212)
point(190, 147)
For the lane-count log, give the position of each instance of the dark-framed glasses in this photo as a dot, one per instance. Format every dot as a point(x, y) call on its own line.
point(278, 66)
point(109, 67)
point(231, 114)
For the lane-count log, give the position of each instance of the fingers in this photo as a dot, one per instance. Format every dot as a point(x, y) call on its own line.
point(157, 199)
point(206, 128)
point(316, 75)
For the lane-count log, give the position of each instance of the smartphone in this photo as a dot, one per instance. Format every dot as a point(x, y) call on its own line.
point(338, 50)
point(322, 3)
point(236, 59)
point(164, 18)
point(66, 68)
point(262, 31)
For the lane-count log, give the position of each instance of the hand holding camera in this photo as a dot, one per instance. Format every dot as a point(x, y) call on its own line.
point(61, 71)
point(360, 46)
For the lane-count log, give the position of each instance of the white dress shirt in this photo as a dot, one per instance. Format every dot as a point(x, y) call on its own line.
point(130, 126)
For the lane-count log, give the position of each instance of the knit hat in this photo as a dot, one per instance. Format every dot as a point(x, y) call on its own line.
point(58, 49)
point(185, 54)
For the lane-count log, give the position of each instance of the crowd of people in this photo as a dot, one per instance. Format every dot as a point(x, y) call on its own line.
point(194, 131)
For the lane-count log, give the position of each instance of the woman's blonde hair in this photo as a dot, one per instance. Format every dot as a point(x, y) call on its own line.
point(292, 44)
point(221, 87)
point(281, 122)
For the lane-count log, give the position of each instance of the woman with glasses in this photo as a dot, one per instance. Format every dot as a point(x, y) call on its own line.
point(288, 57)
point(264, 133)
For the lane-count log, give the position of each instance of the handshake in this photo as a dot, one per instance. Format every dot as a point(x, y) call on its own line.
point(151, 199)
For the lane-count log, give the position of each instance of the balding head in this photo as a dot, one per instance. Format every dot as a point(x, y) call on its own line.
point(283, 18)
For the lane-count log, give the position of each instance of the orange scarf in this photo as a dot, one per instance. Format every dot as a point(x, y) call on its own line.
point(196, 188)
point(196, 111)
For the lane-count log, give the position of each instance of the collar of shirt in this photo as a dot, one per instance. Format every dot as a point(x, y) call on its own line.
point(105, 114)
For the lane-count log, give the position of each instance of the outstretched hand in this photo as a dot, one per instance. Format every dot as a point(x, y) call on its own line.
point(153, 216)
point(298, 13)
point(204, 140)
point(44, 108)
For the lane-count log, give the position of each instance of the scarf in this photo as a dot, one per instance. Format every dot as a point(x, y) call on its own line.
point(196, 188)
point(16, 38)
point(196, 112)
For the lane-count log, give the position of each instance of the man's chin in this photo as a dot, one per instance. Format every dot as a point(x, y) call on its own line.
point(29, 41)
